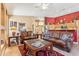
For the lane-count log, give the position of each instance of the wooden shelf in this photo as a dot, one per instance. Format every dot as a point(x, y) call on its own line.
point(70, 26)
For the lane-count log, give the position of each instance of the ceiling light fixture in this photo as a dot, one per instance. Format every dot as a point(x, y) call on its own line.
point(42, 6)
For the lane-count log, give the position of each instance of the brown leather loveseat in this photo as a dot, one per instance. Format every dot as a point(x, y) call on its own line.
point(27, 35)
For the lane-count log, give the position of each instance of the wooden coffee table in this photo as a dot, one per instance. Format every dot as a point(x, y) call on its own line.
point(36, 45)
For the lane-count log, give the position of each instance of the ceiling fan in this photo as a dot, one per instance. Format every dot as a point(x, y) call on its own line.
point(42, 6)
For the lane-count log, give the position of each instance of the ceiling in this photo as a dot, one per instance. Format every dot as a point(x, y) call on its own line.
point(29, 9)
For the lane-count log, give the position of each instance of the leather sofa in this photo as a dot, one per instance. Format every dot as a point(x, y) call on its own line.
point(27, 35)
point(62, 39)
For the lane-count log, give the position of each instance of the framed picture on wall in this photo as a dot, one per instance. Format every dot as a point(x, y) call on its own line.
point(13, 23)
point(21, 26)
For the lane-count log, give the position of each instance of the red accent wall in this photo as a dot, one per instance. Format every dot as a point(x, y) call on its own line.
point(49, 20)
point(68, 18)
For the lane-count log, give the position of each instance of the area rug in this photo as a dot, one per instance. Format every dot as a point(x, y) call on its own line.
point(22, 51)
point(40, 53)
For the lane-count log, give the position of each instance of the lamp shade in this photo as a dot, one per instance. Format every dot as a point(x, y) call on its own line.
point(2, 27)
point(13, 28)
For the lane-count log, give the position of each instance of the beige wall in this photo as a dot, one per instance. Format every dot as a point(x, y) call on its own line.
point(77, 25)
point(0, 17)
point(28, 20)
point(0, 24)
point(0, 13)
point(3, 22)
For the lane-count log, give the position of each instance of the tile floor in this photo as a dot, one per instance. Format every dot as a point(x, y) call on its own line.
point(12, 51)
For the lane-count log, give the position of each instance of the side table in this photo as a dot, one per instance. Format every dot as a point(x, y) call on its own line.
point(9, 39)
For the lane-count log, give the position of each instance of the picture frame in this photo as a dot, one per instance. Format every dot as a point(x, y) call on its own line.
point(21, 26)
point(13, 23)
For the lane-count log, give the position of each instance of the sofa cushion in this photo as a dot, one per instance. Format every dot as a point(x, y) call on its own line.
point(56, 35)
point(66, 36)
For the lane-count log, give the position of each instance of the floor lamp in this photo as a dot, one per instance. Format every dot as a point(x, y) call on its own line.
point(1, 28)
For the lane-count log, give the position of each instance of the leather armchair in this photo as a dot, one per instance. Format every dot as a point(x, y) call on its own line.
point(27, 35)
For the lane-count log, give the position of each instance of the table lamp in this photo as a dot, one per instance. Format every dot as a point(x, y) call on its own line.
point(13, 28)
point(1, 28)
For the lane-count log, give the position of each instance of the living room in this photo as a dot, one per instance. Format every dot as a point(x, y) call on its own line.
point(30, 29)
